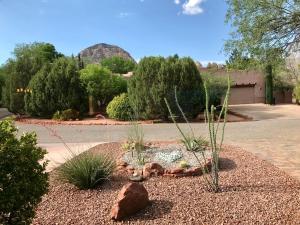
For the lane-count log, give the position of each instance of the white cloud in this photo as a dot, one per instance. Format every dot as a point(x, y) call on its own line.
point(192, 7)
point(124, 14)
point(177, 2)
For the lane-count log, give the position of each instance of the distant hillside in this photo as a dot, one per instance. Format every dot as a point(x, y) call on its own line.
point(98, 52)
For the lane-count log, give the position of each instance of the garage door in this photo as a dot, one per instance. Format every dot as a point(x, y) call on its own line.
point(242, 95)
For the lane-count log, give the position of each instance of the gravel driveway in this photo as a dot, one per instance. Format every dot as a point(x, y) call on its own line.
point(274, 135)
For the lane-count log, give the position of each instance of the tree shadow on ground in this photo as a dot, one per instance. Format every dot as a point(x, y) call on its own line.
point(258, 188)
point(226, 164)
point(115, 183)
point(156, 209)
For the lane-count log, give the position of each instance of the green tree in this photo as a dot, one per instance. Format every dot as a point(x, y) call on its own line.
point(27, 61)
point(264, 29)
point(212, 65)
point(55, 87)
point(238, 61)
point(101, 84)
point(117, 64)
point(216, 88)
point(80, 62)
point(155, 79)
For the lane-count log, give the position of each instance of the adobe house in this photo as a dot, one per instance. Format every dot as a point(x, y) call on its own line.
point(249, 87)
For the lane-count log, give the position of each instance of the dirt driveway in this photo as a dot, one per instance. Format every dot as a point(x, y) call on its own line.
point(267, 112)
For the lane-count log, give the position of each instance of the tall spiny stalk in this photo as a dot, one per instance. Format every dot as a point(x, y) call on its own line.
point(213, 132)
point(189, 140)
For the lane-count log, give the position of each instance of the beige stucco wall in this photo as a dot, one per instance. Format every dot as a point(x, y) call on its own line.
point(252, 78)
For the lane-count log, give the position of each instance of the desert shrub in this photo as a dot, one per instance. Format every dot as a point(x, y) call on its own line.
point(23, 180)
point(156, 77)
point(119, 108)
point(55, 87)
point(117, 64)
point(87, 170)
point(57, 115)
point(136, 142)
point(216, 87)
point(68, 114)
point(101, 83)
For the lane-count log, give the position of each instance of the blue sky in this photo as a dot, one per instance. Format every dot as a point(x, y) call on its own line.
point(192, 28)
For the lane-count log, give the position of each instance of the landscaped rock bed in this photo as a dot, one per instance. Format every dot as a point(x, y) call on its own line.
point(252, 192)
point(168, 160)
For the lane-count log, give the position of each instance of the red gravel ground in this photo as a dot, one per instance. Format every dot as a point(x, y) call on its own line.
point(253, 192)
point(91, 121)
point(232, 117)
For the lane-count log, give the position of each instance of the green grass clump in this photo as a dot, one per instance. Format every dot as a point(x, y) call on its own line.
point(87, 170)
point(184, 164)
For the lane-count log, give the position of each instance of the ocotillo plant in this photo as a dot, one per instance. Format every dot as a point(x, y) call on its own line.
point(194, 145)
point(213, 128)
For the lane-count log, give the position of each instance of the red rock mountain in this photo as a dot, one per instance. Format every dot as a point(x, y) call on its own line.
point(98, 52)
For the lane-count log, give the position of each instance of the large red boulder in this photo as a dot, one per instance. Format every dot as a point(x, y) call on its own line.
point(132, 198)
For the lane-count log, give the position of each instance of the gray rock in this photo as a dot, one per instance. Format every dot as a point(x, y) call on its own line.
point(98, 52)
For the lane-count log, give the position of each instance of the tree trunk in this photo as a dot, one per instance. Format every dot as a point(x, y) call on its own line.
point(91, 105)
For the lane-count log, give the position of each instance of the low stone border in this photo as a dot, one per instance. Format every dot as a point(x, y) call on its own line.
point(155, 169)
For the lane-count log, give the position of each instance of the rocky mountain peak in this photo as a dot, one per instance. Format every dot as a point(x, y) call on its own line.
point(98, 52)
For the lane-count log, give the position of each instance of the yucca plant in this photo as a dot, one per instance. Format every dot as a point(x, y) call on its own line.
point(194, 145)
point(87, 170)
point(136, 142)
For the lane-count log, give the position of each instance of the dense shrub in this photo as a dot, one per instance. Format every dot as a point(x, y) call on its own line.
point(117, 64)
point(216, 88)
point(155, 78)
point(101, 83)
point(119, 108)
point(27, 61)
point(69, 114)
point(87, 170)
point(55, 87)
point(23, 180)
